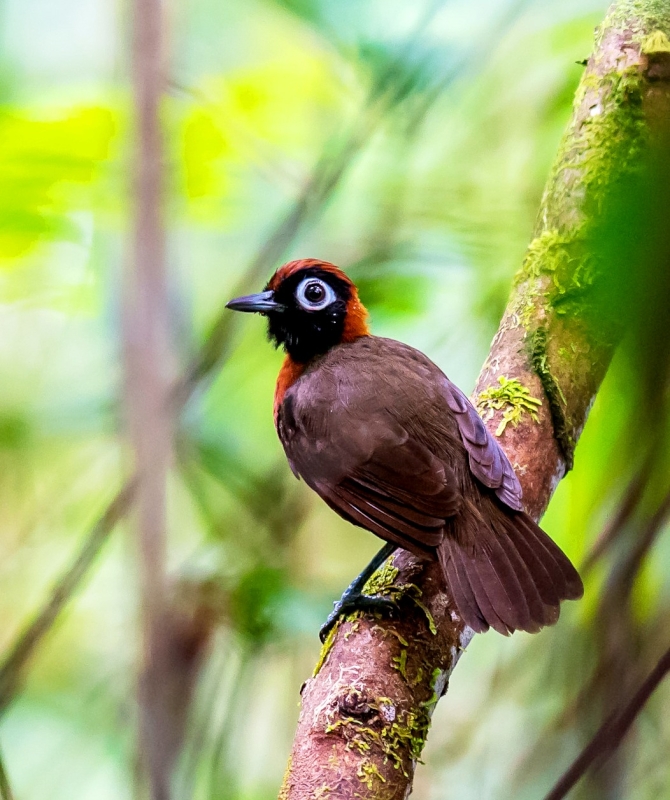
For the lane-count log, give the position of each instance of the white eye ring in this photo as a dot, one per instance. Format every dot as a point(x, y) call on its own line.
point(318, 305)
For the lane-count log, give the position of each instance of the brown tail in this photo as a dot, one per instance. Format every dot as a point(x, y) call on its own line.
point(506, 574)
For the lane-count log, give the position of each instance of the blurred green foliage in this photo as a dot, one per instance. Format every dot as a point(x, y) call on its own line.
point(439, 123)
point(40, 159)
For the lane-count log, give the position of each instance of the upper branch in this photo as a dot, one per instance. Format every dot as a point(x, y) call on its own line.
point(367, 710)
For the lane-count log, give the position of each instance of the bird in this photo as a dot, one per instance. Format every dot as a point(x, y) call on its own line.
point(381, 434)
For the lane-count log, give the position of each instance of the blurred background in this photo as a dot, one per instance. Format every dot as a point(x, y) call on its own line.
point(408, 143)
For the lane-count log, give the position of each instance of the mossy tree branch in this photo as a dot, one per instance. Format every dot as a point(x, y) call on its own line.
point(366, 712)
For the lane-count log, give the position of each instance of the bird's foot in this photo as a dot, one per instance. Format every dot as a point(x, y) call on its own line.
point(356, 602)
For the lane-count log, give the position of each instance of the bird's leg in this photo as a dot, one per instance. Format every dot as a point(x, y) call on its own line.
point(353, 598)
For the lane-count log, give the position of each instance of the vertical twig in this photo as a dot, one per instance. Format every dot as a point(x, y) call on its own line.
point(147, 381)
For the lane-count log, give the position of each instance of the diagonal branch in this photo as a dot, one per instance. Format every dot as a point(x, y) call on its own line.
point(617, 523)
point(12, 667)
point(367, 710)
point(620, 582)
point(611, 733)
point(616, 669)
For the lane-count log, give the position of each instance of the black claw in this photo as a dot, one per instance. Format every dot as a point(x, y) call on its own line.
point(353, 598)
point(359, 602)
point(327, 627)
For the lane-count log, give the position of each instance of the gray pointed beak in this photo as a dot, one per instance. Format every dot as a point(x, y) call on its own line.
point(262, 303)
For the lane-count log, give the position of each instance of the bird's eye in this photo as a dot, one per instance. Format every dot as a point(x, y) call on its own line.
point(314, 294)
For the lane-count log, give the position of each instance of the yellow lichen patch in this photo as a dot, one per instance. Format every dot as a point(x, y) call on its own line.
point(414, 594)
point(382, 581)
point(432, 700)
point(333, 758)
point(407, 736)
point(400, 663)
point(391, 632)
point(512, 396)
point(283, 792)
point(352, 619)
point(656, 42)
point(369, 774)
point(399, 740)
point(325, 650)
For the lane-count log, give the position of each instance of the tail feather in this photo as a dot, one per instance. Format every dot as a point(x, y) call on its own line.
point(506, 573)
point(491, 612)
point(574, 588)
point(501, 584)
point(532, 579)
point(463, 594)
point(545, 578)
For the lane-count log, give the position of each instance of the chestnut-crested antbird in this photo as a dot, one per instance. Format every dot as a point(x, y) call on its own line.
point(378, 431)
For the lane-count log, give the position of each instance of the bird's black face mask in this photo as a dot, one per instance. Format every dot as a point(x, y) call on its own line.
point(306, 312)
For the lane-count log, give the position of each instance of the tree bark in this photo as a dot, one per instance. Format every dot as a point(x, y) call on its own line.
point(367, 709)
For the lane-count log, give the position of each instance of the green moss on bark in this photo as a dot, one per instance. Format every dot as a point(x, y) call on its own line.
point(605, 148)
point(636, 18)
point(383, 580)
point(656, 42)
point(555, 397)
point(369, 774)
point(284, 791)
point(399, 741)
point(512, 398)
point(326, 648)
point(565, 275)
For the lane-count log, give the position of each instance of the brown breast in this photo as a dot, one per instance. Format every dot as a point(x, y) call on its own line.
point(288, 374)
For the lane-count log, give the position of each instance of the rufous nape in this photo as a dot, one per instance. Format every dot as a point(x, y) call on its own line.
point(380, 433)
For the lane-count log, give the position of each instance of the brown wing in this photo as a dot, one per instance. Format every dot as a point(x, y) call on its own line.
point(372, 473)
point(488, 462)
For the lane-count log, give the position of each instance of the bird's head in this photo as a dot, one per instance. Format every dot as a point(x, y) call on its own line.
point(311, 306)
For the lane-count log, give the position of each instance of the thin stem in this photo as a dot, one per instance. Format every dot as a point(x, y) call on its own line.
point(624, 512)
point(33, 634)
point(611, 732)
